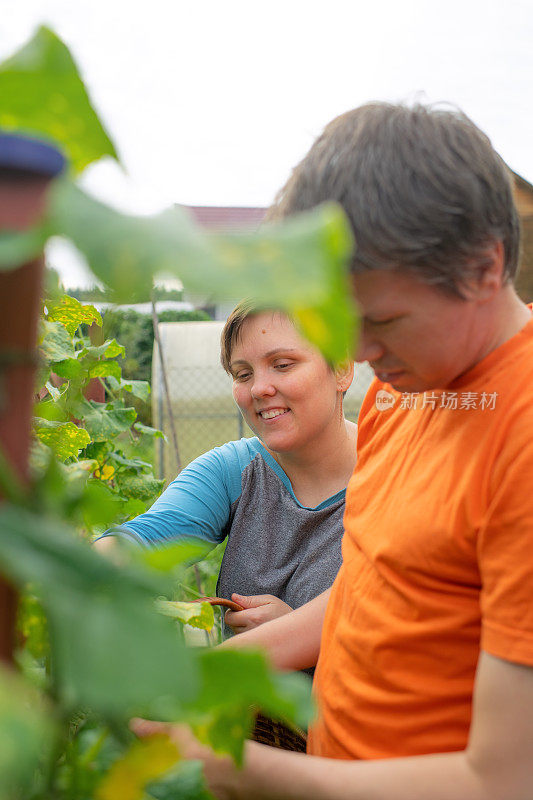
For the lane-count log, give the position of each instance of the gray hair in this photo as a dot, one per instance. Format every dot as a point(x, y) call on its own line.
point(422, 187)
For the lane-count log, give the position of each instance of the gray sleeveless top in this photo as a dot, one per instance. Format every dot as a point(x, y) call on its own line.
point(275, 545)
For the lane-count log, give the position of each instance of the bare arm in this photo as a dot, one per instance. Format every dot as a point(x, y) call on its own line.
point(497, 764)
point(106, 545)
point(112, 548)
point(292, 641)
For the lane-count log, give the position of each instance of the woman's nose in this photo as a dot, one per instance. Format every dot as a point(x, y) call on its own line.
point(262, 386)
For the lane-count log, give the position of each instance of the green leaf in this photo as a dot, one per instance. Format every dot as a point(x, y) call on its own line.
point(132, 463)
point(55, 343)
point(112, 651)
point(26, 732)
point(168, 557)
point(103, 422)
point(299, 265)
point(296, 702)
point(279, 695)
point(157, 434)
point(100, 506)
point(53, 391)
point(64, 438)
point(58, 489)
point(109, 349)
point(17, 248)
point(185, 782)
point(132, 507)
point(10, 484)
point(98, 450)
point(71, 313)
point(70, 369)
point(140, 389)
point(142, 487)
point(124, 255)
point(226, 731)
point(233, 682)
point(324, 324)
point(198, 615)
point(32, 626)
point(103, 369)
point(42, 93)
point(145, 760)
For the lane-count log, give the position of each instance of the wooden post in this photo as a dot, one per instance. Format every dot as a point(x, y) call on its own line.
point(26, 169)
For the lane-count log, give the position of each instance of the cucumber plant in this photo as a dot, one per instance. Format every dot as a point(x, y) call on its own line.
point(94, 648)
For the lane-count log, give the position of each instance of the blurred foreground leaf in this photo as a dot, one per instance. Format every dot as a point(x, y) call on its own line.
point(112, 652)
point(298, 265)
point(234, 685)
point(197, 615)
point(26, 731)
point(145, 761)
point(185, 782)
point(17, 248)
point(31, 623)
point(168, 557)
point(42, 93)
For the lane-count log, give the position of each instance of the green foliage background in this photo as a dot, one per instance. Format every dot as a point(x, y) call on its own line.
point(135, 332)
point(94, 647)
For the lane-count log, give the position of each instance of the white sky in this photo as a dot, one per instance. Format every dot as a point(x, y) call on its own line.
point(211, 102)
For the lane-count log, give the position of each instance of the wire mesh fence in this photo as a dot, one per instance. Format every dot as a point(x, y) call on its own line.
point(202, 406)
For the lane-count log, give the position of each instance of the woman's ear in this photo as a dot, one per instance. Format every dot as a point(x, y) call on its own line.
point(344, 373)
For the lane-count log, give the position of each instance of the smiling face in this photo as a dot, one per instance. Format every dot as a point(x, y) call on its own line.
point(414, 336)
point(284, 388)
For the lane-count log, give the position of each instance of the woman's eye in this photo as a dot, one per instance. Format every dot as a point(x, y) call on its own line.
point(282, 366)
point(241, 376)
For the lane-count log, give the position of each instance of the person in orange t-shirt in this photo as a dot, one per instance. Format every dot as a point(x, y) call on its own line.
point(424, 680)
point(437, 559)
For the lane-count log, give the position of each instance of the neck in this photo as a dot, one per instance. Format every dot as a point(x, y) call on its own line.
point(324, 467)
point(505, 317)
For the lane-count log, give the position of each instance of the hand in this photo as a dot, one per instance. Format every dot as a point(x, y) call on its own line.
point(258, 608)
point(219, 771)
point(187, 745)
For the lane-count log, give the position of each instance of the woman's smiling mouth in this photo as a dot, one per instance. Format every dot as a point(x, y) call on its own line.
point(272, 413)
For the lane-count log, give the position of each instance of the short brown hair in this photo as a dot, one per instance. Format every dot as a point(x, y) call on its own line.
point(422, 187)
point(232, 328)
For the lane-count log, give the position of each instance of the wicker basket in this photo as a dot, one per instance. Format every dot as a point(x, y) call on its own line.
point(266, 730)
point(277, 734)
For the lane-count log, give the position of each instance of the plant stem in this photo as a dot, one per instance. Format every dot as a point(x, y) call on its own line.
point(89, 756)
point(56, 751)
point(155, 321)
point(200, 589)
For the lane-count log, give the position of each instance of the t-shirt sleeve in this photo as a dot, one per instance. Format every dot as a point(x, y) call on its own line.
point(505, 551)
point(196, 504)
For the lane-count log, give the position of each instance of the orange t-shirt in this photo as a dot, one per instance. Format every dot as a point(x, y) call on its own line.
point(437, 561)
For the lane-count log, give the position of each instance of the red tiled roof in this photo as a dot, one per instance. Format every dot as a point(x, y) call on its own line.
point(227, 218)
